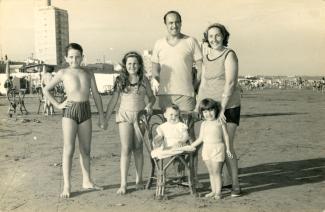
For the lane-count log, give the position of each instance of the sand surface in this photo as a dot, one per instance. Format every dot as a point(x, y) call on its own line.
point(280, 144)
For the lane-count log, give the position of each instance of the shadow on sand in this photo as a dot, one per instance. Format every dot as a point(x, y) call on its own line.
point(280, 174)
point(270, 114)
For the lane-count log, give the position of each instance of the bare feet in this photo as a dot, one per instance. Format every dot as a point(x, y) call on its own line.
point(65, 193)
point(92, 186)
point(217, 196)
point(211, 194)
point(121, 190)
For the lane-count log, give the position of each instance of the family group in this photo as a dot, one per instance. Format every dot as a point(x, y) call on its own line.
point(212, 91)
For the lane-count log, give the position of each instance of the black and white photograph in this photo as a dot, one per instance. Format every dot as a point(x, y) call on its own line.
point(174, 105)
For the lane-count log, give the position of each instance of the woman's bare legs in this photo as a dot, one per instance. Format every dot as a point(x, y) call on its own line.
point(69, 129)
point(232, 163)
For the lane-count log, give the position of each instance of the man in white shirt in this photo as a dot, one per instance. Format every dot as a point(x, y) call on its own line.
point(173, 60)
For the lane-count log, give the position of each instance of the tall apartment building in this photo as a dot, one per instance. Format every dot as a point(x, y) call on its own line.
point(51, 32)
point(147, 62)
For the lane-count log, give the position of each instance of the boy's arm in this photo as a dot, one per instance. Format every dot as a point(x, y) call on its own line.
point(111, 105)
point(46, 90)
point(97, 99)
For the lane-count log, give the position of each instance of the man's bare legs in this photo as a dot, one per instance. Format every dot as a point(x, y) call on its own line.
point(126, 137)
point(84, 137)
point(69, 128)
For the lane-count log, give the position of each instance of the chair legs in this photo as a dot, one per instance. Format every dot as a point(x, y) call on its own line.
point(152, 173)
point(161, 169)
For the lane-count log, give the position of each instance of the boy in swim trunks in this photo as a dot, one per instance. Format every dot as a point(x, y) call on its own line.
point(76, 114)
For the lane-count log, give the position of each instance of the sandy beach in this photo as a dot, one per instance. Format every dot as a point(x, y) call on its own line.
point(280, 145)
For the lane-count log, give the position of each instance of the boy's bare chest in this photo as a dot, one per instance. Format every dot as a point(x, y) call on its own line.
point(77, 80)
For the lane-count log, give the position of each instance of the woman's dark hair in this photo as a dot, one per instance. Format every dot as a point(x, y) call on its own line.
point(223, 31)
point(173, 12)
point(123, 79)
point(73, 46)
point(209, 104)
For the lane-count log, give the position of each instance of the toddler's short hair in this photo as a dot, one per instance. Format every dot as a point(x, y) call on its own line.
point(173, 106)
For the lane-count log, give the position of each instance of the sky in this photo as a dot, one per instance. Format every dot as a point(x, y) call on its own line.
point(278, 37)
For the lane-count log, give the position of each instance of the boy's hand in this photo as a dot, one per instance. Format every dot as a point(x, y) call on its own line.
point(65, 104)
point(229, 154)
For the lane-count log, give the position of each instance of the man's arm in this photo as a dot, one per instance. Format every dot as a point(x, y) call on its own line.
point(197, 81)
point(155, 77)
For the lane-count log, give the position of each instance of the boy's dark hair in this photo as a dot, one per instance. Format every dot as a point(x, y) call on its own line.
point(223, 31)
point(123, 79)
point(209, 104)
point(173, 12)
point(73, 46)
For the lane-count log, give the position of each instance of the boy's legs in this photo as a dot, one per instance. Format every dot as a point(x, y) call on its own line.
point(69, 129)
point(138, 160)
point(126, 137)
point(84, 137)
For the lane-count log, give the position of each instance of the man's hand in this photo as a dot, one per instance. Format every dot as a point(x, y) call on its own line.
point(154, 86)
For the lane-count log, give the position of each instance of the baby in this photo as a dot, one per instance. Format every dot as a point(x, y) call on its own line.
point(173, 133)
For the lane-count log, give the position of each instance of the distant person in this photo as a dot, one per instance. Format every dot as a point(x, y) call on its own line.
point(48, 106)
point(76, 119)
point(132, 87)
point(215, 139)
point(173, 58)
point(220, 83)
point(9, 84)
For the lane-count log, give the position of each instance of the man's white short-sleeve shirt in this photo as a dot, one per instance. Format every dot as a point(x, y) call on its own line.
point(176, 63)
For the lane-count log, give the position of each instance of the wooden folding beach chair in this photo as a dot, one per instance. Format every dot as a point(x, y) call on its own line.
point(148, 124)
point(16, 100)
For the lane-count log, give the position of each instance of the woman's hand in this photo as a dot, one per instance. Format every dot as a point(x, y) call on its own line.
point(229, 154)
